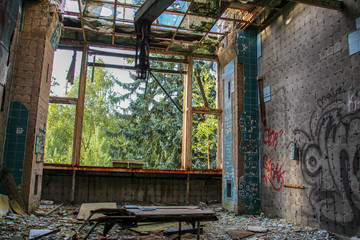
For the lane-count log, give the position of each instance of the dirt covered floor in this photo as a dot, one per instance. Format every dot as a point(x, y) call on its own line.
point(62, 224)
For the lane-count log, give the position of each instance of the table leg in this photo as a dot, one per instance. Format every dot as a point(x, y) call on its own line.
point(179, 230)
point(91, 230)
point(198, 230)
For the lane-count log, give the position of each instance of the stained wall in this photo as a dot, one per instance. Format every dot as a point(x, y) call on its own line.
point(126, 187)
point(314, 107)
point(29, 97)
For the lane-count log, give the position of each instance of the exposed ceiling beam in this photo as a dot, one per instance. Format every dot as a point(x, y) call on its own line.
point(132, 68)
point(151, 10)
point(331, 4)
point(69, 43)
point(124, 55)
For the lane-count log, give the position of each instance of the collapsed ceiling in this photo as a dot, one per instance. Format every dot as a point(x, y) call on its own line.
point(185, 27)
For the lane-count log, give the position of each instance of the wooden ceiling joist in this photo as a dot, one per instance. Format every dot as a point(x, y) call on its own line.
point(123, 55)
point(132, 68)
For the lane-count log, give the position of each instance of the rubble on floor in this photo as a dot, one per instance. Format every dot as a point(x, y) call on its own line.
point(62, 223)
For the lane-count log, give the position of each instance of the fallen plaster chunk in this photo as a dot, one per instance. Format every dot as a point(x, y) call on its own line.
point(257, 229)
point(4, 205)
point(86, 208)
point(38, 233)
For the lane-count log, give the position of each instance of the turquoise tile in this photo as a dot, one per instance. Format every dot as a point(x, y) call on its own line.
point(354, 37)
point(353, 48)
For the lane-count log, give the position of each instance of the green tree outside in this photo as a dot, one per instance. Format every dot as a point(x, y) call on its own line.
point(101, 104)
point(149, 129)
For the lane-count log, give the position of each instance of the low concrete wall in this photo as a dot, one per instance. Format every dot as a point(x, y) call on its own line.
point(92, 186)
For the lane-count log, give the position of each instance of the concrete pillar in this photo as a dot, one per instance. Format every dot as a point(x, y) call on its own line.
point(29, 100)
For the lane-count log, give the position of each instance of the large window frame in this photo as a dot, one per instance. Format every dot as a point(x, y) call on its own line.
point(188, 112)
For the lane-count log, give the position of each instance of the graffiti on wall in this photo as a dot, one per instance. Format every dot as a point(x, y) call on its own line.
point(331, 97)
point(273, 173)
point(230, 195)
point(270, 137)
point(330, 160)
point(353, 102)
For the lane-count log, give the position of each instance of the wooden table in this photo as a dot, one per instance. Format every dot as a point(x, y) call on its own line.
point(130, 216)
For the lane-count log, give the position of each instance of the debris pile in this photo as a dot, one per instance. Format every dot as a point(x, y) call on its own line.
point(230, 227)
point(58, 221)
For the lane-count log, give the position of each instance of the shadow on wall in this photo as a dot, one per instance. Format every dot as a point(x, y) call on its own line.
point(330, 161)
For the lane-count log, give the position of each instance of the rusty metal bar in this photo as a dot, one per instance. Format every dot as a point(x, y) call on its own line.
point(53, 166)
point(114, 22)
point(208, 111)
point(294, 186)
point(186, 29)
point(81, 21)
point(62, 100)
point(124, 55)
point(155, 50)
point(177, 30)
point(132, 68)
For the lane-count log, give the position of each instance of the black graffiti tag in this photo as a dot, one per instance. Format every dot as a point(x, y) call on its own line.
point(330, 98)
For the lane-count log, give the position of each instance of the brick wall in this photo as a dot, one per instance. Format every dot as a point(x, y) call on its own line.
point(31, 87)
point(315, 94)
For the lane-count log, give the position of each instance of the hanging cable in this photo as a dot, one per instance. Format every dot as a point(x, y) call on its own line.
point(167, 94)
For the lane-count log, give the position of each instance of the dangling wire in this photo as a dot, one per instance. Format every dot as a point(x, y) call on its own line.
point(146, 85)
point(167, 94)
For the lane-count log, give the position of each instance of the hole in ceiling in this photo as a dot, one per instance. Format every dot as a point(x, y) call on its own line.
point(106, 12)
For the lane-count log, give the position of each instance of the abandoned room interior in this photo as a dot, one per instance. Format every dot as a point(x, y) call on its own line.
point(250, 105)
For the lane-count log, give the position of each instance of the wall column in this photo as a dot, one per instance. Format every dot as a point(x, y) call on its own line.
point(29, 100)
point(80, 109)
point(186, 157)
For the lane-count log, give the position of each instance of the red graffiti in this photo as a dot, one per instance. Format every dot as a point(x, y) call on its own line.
point(273, 173)
point(270, 137)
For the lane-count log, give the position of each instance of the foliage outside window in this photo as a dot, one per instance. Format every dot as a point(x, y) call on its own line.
point(204, 142)
point(149, 128)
